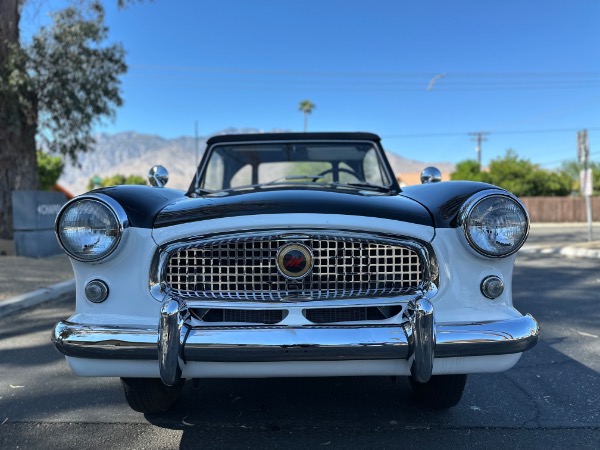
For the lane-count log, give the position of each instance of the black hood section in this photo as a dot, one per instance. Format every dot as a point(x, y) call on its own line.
point(141, 203)
point(293, 201)
point(444, 199)
point(434, 204)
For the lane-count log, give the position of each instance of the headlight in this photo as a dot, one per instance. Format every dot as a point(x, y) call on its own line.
point(495, 225)
point(89, 229)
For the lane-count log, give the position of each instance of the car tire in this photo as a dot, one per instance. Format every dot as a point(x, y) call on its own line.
point(440, 392)
point(150, 395)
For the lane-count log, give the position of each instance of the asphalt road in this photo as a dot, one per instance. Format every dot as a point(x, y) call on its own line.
point(551, 399)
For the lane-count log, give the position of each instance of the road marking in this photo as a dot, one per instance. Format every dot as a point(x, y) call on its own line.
point(584, 334)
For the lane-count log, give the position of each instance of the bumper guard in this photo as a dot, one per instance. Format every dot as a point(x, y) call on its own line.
point(419, 340)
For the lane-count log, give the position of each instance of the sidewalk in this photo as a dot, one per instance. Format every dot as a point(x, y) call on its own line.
point(25, 282)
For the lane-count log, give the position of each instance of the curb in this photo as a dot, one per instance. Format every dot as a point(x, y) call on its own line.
point(580, 252)
point(569, 251)
point(539, 249)
point(54, 292)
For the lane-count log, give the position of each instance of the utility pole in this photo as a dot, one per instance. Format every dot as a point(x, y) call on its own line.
point(479, 137)
point(196, 145)
point(585, 176)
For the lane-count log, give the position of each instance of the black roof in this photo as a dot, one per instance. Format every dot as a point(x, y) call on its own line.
point(320, 136)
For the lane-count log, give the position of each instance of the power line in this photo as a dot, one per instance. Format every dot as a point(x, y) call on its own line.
point(466, 133)
point(322, 73)
point(241, 78)
point(558, 161)
point(375, 88)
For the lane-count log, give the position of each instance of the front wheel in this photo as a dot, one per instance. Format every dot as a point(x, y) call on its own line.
point(150, 395)
point(440, 392)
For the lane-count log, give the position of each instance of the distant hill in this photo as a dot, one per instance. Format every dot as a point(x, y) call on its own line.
point(133, 153)
point(409, 169)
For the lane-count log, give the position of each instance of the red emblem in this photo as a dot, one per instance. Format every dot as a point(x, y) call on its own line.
point(294, 260)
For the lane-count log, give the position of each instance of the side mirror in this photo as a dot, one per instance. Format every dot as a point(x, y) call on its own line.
point(431, 175)
point(158, 176)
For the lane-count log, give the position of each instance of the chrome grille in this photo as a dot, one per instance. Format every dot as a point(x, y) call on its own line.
point(244, 268)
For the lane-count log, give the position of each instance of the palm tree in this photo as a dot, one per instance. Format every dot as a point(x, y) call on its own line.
point(306, 106)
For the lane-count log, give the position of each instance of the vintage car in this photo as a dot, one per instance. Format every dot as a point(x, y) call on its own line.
point(293, 255)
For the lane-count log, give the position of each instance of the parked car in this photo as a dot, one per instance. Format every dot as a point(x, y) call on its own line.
point(293, 255)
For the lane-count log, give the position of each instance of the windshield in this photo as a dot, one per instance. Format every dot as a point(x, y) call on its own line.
point(243, 165)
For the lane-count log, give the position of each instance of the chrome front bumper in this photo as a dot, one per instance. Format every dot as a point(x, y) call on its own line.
point(418, 340)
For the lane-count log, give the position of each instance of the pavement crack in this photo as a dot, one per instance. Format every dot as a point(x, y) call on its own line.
point(535, 421)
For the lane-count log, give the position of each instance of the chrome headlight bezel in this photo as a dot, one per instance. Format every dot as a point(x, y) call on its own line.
point(473, 202)
point(113, 208)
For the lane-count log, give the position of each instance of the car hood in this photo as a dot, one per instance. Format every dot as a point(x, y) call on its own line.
point(290, 201)
point(435, 204)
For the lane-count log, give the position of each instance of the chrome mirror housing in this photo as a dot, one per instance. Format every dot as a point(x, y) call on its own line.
point(158, 176)
point(431, 175)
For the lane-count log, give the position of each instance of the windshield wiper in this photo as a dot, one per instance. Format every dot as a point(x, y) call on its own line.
point(272, 182)
point(361, 185)
point(292, 178)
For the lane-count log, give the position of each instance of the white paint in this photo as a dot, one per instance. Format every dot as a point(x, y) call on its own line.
point(126, 274)
point(390, 367)
point(292, 222)
point(458, 298)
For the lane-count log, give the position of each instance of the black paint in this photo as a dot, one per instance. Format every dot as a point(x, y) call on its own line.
point(141, 203)
point(290, 201)
point(293, 137)
point(444, 199)
point(434, 204)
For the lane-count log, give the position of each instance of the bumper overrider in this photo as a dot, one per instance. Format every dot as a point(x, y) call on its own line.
point(175, 342)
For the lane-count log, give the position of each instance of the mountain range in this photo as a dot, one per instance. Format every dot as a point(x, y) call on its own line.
point(131, 153)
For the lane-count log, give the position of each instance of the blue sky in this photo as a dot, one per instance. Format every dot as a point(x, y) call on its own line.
point(527, 72)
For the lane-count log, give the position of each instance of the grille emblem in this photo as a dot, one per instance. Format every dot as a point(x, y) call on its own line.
point(294, 261)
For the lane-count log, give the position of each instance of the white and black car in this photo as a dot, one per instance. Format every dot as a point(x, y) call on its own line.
point(293, 255)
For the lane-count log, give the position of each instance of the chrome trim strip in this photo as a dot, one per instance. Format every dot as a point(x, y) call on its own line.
point(306, 304)
point(268, 343)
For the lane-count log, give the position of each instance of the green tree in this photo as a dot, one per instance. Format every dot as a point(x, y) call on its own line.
point(512, 173)
point(573, 168)
point(516, 175)
point(468, 170)
point(55, 89)
point(115, 180)
point(523, 178)
point(49, 169)
point(136, 179)
point(77, 80)
point(306, 106)
point(546, 183)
